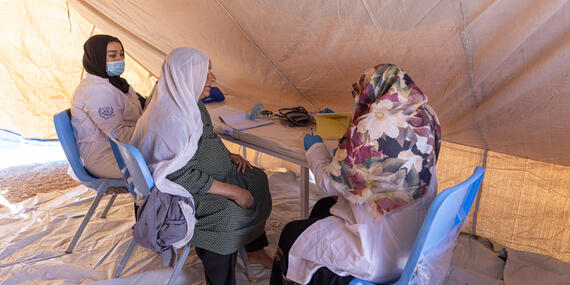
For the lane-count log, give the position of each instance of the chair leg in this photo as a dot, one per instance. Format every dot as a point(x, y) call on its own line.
point(125, 259)
point(84, 223)
point(243, 256)
point(109, 204)
point(179, 265)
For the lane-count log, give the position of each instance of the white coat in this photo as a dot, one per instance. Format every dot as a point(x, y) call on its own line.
point(350, 242)
point(97, 109)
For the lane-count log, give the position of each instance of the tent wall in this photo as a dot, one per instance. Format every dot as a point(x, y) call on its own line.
point(495, 71)
point(41, 49)
point(238, 66)
point(523, 203)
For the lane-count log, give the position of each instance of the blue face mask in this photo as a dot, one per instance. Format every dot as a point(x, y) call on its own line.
point(115, 68)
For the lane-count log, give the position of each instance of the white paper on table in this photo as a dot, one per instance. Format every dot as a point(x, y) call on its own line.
point(236, 119)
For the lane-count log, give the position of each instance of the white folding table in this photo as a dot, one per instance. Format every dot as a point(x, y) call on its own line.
point(265, 140)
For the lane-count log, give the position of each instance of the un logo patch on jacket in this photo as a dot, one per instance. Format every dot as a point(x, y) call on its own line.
point(106, 112)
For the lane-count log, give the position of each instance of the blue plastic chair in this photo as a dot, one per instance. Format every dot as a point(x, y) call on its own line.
point(448, 210)
point(67, 140)
point(140, 182)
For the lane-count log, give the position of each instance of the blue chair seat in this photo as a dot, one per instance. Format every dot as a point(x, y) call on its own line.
point(441, 227)
point(140, 183)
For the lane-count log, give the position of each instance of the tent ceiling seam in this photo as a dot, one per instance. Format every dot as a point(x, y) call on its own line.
point(469, 58)
point(503, 60)
point(258, 48)
point(68, 15)
point(426, 14)
point(96, 11)
point(536, 27)
point(483, 110)
point(371, 16)
point(498, 64)
point(476, 17)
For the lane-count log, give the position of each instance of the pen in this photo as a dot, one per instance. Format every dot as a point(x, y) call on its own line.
point(312, 132)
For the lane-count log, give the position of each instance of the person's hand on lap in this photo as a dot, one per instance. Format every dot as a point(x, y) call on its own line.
point(243, 198)
point(240, 161)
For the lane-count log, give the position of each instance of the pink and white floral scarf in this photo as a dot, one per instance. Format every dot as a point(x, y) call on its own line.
point(386, 156)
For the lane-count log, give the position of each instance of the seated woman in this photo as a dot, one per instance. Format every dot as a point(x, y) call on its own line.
point(186, 158)
point(383, 176)
point(103, 103)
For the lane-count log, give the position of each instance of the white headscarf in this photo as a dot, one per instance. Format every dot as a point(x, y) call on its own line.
point(168, 131)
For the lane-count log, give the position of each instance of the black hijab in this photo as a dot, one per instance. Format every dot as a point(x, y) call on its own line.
point(95, 60)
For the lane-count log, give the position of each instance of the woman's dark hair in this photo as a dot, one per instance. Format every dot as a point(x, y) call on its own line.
point(95, 59)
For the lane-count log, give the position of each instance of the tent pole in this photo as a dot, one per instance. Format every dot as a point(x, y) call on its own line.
point(476, 210)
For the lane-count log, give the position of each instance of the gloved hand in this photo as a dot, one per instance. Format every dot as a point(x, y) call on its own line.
point(311, 140)
point(326, 111)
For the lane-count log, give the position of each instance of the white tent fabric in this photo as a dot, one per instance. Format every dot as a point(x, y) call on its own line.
point(494, 71)
point(35, 233)
point(41, 49)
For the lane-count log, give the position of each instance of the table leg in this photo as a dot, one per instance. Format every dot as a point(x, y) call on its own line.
point(304, 197)
point(243, 152)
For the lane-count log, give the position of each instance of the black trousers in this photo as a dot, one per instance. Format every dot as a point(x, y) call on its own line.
point(289, 235)
point(220, 269)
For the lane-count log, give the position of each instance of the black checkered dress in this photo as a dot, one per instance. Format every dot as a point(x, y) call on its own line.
point(223, 227)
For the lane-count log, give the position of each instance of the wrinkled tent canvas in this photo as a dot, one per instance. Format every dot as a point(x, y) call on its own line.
point(495, 72)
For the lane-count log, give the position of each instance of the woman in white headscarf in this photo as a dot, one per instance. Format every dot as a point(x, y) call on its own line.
point(186, 158)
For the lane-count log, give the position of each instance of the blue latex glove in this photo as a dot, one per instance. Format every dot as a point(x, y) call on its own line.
point(311, 140)
point(216, 95)
point(326, 111)
point(334, 151)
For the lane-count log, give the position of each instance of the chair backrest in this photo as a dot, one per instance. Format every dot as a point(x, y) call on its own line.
point(64, 130)
point(448, 210)
point(133, 167)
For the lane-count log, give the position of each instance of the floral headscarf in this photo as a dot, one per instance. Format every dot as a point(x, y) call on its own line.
point(386, 156)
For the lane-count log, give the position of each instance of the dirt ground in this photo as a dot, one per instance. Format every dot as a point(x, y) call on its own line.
point(19, 183)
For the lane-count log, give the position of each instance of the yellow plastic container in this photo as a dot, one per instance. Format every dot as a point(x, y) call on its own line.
point(331, 126)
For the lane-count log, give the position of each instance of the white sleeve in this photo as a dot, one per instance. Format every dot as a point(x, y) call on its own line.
point(319, 158)
point(106, 109)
